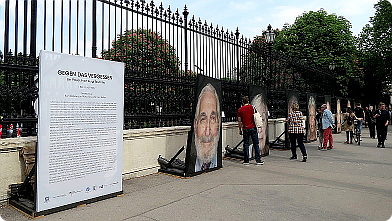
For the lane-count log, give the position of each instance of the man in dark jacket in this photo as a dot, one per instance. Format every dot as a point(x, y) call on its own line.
point(320, 127)
point(360, 114)
point(382, 120)
point(372, 122)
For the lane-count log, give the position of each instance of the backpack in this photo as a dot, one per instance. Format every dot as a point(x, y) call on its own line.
point(350, 119)
point(358, 112)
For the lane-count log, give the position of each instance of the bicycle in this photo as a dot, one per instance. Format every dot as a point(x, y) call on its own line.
point(357, 135)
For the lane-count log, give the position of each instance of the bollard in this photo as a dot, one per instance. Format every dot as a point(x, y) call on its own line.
point(18, 130)
point(10, 130)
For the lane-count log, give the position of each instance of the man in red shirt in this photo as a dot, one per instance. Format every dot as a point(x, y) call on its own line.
point(248, 129)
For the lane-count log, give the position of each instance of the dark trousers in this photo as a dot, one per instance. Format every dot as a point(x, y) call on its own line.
point(251, 133)
point(349, 135)
point(381, 133)
point(294, 139)
point(372, 129)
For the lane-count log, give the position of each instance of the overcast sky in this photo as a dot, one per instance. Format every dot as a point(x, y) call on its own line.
point(253, 16)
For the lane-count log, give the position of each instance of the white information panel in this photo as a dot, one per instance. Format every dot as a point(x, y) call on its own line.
point(80, 129)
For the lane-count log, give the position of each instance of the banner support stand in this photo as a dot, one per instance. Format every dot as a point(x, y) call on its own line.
point(167, 166)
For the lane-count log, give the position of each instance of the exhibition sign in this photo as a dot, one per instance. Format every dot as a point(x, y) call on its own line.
point(80, 129)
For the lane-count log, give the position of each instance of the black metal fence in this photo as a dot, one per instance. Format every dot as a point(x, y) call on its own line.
point(163, 51)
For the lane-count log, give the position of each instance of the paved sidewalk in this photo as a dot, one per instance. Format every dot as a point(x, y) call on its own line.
point(350, 182)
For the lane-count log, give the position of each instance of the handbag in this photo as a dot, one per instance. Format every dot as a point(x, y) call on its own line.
point(257, 118)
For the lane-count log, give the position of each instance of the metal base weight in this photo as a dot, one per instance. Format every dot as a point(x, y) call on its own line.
point(27, 206)
point(279, 143)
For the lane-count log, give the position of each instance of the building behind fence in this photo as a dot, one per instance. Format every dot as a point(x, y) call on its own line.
point(163, 49)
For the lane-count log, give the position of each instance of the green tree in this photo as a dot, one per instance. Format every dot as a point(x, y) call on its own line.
point(375, 46)
point(148, 56)
point(382, 28)
point(323, 39)
point(144, 51)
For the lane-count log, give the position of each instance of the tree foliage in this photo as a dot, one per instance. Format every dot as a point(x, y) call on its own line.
point(375, 46)
point(323, 39)
point(149, 56)
point(382, 28)
point(144, 51)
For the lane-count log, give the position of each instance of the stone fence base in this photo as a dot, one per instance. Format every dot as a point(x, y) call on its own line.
point(141, 150)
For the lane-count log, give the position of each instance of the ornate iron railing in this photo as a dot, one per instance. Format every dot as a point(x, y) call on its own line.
point(163, 51)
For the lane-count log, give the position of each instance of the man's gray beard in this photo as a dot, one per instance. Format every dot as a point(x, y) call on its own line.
point(212, 153)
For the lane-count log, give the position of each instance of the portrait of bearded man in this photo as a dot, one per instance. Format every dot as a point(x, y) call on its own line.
point(207, 124)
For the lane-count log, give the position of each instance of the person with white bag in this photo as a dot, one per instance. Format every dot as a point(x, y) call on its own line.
point(247, 128)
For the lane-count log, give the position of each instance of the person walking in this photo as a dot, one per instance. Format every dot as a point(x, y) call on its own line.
point(372, 122)
point(366, 119)
point(320, 127)
point(248, 129)
point(328, 124)
point(348, 125)
point(296, 131)
point(360, 114)
point(382, 121)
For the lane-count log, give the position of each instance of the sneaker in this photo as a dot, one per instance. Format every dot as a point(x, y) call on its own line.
point(304, 158)
point(245, 163)
point(330, 148)
point(378, 145)
point(260, 163)
point(293, 158)
point(346, 142)
point(323, 149)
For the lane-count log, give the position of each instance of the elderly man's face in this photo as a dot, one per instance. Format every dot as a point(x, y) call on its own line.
point(207, 127)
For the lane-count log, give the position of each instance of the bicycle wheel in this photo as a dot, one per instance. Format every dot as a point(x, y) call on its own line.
point(355, 134)
point(359, 138)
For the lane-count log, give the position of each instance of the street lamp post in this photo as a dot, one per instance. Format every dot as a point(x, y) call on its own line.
point(332, 67)
point(270, 38)
point(269, 35)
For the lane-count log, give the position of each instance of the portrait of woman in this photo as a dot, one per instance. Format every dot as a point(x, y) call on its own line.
point(338, 116)
point(312, 134)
